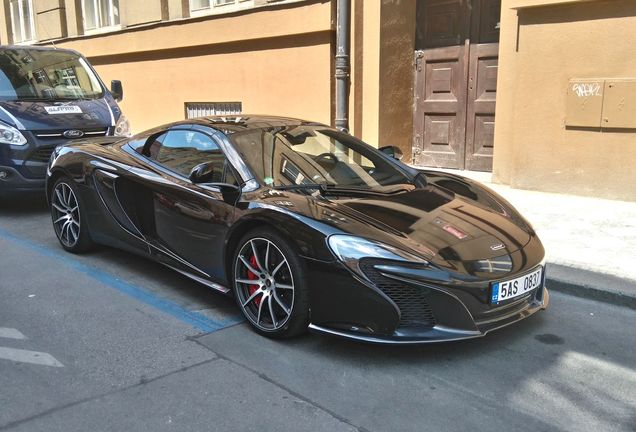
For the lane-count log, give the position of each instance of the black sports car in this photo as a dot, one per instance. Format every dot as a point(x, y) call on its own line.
point(306, 226)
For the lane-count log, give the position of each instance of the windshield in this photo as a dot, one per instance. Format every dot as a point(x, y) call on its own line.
point(310, 155)
point(28, 74)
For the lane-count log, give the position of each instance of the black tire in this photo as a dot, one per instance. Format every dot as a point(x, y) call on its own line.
point(68, 216)
point(284, 312)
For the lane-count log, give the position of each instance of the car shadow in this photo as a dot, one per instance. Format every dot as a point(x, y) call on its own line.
point(161, 280)
point(27, 218)
point(30, 204)
point(352, 351)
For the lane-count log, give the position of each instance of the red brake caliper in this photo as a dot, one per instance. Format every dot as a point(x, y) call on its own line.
point(251, 276)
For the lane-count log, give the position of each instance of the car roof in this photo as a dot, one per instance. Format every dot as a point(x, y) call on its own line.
point(34, 48)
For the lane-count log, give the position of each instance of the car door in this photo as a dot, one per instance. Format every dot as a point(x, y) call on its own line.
point(189, 221)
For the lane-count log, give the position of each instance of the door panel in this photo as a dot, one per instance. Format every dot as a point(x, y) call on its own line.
point(444, 23)
point(440, 106)
point(485, 25)
point(482, 90)
point(456, 83)
point(192, 225)
point(184, 223)
point(440, 84)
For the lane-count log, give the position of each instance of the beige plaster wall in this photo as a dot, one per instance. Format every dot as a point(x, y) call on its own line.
point(397, 34)
point(273, 60)
point(50, 19)
point(157, 88)
point(506, 98)
point(370, 63)
point(550, 45)
point(136, 12)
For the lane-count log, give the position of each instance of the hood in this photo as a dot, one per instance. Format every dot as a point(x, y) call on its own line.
point(45, 115)
point(435, 222)
point(432, 222)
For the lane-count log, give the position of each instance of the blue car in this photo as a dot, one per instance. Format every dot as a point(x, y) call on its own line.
point(49, 96)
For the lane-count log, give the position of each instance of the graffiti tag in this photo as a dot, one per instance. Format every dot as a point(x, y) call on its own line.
point(586, 89)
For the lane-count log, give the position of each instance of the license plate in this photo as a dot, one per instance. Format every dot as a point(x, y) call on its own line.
point(506, 290)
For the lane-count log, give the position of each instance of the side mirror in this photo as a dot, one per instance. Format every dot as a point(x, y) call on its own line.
point(392, 151)
point(202, 173)
point(117, 90)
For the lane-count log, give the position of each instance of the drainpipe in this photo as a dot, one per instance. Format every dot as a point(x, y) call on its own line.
point(343, 29)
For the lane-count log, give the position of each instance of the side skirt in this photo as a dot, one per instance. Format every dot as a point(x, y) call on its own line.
point(215, 286)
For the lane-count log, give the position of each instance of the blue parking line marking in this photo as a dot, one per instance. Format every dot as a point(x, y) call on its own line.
point(194, 319)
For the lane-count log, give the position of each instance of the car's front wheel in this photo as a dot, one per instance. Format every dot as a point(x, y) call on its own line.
point(269, 284)
point(68, 217)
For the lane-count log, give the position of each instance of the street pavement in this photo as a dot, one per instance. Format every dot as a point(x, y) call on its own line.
point(109, 341)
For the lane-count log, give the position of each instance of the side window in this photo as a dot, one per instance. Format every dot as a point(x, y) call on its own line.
point(182, 150)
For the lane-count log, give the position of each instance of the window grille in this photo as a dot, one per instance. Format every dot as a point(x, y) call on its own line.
point(204, 109)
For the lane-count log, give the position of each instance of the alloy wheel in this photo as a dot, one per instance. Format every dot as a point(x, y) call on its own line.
point(66, 214)
point(264, 284)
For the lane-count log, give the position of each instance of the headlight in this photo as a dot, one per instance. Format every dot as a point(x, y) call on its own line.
point(10, 135)
point(350, 250)
point(122, 128)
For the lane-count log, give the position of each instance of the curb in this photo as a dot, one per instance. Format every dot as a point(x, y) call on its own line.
point(590, 285)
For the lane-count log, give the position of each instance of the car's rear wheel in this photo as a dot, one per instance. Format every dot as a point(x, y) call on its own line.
point(269, 284)
point(67, 215)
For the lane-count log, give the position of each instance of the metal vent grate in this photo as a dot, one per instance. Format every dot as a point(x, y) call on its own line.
point(204, 109)
point(414, 309)
point(59, 133)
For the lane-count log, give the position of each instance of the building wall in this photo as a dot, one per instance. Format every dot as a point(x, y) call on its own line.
point(275, 57)
point(542, 48)
point(273, 60)
point(381, 97)
point(397, 36)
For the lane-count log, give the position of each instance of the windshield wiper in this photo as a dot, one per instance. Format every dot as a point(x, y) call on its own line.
point(303, 186)
point(31, 99)
point(329, 189)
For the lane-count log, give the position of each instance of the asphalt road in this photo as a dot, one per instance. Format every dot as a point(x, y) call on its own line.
point(110, 341)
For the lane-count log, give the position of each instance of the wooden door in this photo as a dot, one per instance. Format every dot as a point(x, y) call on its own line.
point(440, 85)
point(455, 83)
point(482, 84)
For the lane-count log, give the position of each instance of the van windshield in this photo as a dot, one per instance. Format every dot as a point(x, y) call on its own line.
point(29, 74)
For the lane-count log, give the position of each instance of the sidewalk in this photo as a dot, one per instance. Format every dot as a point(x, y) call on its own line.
point(590, 242)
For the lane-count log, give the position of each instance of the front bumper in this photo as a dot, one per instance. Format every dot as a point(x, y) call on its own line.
point(436, 333)
point(12, 182)
point(25, 166)
point(397, 304)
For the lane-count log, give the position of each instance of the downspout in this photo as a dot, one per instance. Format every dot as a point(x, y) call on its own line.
point(342, 65)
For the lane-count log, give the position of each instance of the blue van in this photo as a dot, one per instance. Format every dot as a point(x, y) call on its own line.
point(49, 96)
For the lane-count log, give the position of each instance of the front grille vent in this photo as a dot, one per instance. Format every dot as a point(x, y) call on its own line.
point(59, 133)
point(414, 308)
point(42, 154)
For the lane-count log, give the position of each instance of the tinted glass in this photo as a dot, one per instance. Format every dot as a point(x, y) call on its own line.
point(182, 150)
point(314, 154)
point(46, 75)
